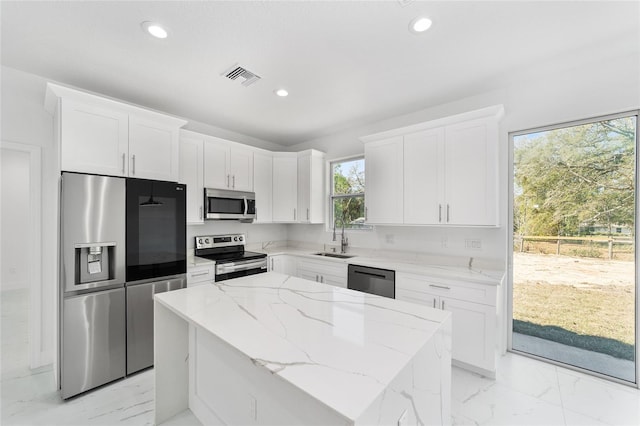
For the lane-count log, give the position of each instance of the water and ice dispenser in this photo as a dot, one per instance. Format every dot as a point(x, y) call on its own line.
point(95, 262)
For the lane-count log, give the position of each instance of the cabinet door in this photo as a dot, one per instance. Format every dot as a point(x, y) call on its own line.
point(191, 163)
point(283, 264)
point(153, 150)
point(384, 180)
point(216, 161)
point(473, 334)
point(471, 173)
point(241, 169)
point(423, 177)
point(304, 188)
point(93, 140)
point(285, 188)
point(263, 186)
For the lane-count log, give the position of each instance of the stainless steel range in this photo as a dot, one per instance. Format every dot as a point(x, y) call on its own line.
point(232, 261)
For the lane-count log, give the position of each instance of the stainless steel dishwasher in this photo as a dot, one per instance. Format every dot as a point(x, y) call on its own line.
point(381, 282)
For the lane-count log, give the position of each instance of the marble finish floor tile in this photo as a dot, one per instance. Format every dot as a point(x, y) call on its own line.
point(532, 392)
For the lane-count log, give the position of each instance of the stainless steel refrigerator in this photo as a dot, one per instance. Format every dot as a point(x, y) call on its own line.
point(92, 282)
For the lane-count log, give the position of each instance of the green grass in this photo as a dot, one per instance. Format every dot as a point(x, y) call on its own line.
point(599, 318)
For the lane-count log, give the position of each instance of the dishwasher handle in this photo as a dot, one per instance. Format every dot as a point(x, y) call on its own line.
point(370, 274)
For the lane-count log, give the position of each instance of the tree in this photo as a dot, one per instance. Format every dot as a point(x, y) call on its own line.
point(571, 178)
point(348, 209)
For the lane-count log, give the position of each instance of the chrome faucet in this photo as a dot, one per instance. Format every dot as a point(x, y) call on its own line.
point(344, 241)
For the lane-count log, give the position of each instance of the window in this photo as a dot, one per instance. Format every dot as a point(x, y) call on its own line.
point(347, 194)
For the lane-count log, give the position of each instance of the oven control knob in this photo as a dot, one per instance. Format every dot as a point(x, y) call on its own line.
point(206, 241)
point(240, 238)
point(235, 238)
point(199, 240)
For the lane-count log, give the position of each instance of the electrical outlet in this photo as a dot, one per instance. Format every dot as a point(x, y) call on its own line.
point(473, 244)
point(444, 242)
point(390, 238)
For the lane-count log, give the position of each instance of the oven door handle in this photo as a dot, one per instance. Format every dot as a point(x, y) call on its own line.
point(226, 268)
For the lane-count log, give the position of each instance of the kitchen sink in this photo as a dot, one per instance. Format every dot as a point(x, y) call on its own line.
point(336, 255)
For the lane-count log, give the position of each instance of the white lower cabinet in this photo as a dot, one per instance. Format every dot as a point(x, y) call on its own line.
point(198, 275)
point(474, 315)
point(282, 263)
point(326, 272)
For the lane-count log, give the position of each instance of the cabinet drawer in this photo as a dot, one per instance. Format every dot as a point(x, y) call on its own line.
point(422, 287)
point(324, 268)
point(200, 275)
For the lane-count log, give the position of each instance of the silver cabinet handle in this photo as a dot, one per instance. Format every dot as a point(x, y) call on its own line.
point(200, 274)
point(272, 263)
point(227, 181)
point(440, 286)
point(294, 214)
point(123, 161)
point(200, 212)
point(255, 213)
point(316, 277)
point(439, 212)
point(133, 167)
point(234, 181)
point(307, 214)
point(366, 213)
point(447, 212)
point(321, 279)
point(434, 302)
point(443, 305)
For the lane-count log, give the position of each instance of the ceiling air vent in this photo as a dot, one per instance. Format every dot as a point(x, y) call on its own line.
point(244, 76)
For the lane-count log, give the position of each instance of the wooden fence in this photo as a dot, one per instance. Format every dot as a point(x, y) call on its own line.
point(593, 246)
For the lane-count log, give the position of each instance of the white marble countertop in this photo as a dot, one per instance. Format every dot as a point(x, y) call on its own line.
point(341, 347)
point(195, 261)
point(452, 268)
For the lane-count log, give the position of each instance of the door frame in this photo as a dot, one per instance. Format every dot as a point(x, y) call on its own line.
point(509, 278)
point(37, 356)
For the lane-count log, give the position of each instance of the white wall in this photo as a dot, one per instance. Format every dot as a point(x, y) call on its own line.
point(599, 80)
point(15, 248)
point(24, 121)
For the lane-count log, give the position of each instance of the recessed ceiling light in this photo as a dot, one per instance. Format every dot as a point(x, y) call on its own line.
point(420, 25)
point(155, 29)
point(281, 92)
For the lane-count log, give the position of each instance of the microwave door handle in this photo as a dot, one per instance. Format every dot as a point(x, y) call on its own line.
point(246, 205)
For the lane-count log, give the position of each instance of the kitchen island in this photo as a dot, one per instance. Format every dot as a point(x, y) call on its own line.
point(275, 349)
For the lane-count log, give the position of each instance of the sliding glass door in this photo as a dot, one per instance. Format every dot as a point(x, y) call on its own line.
point(573, 293)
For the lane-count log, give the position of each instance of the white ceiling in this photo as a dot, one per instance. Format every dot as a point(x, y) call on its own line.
point(344, 63)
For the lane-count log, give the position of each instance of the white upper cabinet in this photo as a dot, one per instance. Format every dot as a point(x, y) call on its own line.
point(423, 177)
point(153, 150)
point(227, 165)
point(191, 174)
point(384, 181)
point(216, 161)
point(102, 136)
point(442, 172)
point(470, 166)
point(285, 187)
point(93, 139)
point(311, 184)
point(263, 186)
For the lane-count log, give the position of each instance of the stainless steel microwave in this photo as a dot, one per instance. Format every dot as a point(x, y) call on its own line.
point(221, 204)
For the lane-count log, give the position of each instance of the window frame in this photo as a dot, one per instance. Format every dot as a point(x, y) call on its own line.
point(332, 196)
